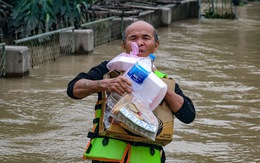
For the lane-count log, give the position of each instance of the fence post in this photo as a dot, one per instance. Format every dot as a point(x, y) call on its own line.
point(17, 61)
point(213, 9)
point(199, 12)
point(2, 60)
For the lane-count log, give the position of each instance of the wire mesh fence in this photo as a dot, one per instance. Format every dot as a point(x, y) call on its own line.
point(2, 60)
point(49, 46)
point(1, 36)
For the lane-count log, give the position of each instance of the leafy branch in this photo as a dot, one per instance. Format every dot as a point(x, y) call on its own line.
point(36, 16)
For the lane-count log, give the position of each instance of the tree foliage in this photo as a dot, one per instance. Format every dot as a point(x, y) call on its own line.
point(36, 16)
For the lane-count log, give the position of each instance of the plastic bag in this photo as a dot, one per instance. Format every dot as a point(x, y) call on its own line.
point(133, 115)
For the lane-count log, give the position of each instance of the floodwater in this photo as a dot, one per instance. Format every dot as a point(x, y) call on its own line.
point(216, 63)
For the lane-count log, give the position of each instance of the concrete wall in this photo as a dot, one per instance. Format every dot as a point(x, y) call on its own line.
point(162, 16)
point(167, 14)
point(18, 58)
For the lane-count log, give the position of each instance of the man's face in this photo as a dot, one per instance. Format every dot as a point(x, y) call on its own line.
point(143, 34)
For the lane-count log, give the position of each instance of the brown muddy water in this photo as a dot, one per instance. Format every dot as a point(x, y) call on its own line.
point(216, 63)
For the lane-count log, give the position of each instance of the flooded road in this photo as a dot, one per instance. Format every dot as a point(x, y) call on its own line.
point(216, 63)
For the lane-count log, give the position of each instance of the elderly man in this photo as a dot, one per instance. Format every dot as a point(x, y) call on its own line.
point(85, 84)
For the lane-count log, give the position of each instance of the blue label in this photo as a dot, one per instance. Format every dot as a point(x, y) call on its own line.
point(138, 74)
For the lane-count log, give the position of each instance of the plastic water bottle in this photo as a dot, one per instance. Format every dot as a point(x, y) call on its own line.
point(146, 86)
point(140, 71)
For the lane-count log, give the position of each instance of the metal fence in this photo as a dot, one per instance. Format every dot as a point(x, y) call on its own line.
point(2, 60)
point(217, 9)
point(49, 46)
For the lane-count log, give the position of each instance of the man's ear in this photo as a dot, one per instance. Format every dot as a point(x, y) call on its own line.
point(156, 46)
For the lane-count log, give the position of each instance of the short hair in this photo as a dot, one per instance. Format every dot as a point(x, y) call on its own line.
point(155, 34)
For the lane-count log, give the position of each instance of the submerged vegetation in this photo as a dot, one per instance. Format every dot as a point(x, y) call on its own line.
point(220, 9)
point(215, 15)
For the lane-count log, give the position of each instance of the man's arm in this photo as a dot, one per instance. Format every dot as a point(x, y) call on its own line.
point(181, 106)
point(84, 87)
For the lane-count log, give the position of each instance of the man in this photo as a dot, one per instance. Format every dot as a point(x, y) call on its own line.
point(146, 37)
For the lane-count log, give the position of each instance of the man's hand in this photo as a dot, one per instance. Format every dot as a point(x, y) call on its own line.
point(120, 85)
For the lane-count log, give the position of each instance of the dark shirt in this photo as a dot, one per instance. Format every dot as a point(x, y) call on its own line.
point(185, 114)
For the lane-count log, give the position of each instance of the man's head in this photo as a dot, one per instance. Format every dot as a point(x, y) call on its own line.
point(144, 34)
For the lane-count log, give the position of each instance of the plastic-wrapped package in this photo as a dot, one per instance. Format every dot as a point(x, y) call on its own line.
point(124, 61)
point(152, 89)
point(112, 99)
point(133, 115)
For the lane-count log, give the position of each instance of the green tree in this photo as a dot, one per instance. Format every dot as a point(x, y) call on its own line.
point(36, 16)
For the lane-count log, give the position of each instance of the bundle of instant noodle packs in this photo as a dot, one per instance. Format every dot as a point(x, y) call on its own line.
point(133, 115)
